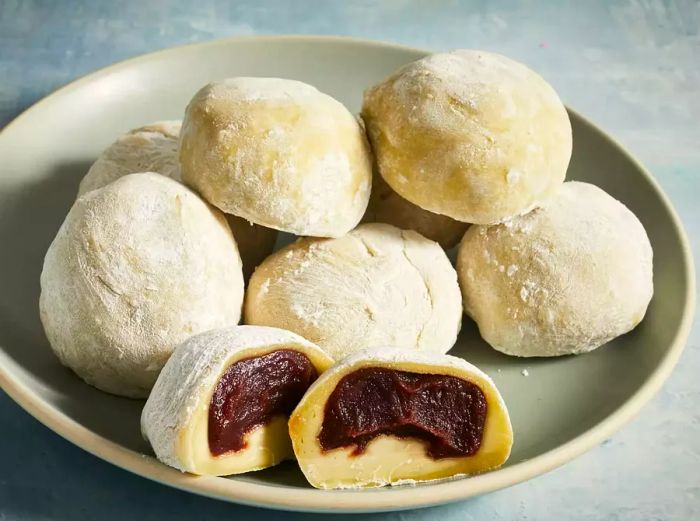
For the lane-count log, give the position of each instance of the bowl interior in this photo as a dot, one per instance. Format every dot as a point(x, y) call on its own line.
point(48, 149)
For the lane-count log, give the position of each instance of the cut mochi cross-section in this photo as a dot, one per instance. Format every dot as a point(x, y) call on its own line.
point(221, 403)
point(388, 416)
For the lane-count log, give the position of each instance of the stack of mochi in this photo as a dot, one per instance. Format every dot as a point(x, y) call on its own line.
point(341, 363)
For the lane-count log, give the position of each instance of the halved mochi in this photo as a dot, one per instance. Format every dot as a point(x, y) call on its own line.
point(388, 417)
point(220, 404)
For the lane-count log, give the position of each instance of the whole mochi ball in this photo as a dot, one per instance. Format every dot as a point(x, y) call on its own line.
point(563, 279)
point(278, 153)
point(153, 148)
point(469, 134)
point(376, 286)
point(135, 269)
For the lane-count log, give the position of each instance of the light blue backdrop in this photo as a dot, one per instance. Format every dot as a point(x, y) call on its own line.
point(633, 67)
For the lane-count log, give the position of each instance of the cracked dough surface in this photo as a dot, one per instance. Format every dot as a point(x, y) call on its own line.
point(153, 148)
point(469, 134)
point(562, 279)
point(375, 286)
point(125, 280)
point(278, 153)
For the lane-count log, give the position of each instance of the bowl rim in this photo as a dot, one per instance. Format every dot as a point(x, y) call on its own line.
point(376, 500)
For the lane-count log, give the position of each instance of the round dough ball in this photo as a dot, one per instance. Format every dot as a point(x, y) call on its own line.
point(564, 279)
point(386, 206)
point(375, 286)
point(469, 134)
point(136, 268)
point(153, 148)
point(278, 153)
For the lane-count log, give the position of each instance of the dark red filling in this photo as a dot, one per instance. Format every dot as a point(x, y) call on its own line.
point(445, 411)
point(251, 392)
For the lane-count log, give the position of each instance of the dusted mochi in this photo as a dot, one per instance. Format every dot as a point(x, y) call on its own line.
point(188, 413)
point(410, 447)
point(136, 268)
point(469, 134)
point(153, 148)
point(278, 153)
point(564, 279)
point(386, 206)
point(375, 286)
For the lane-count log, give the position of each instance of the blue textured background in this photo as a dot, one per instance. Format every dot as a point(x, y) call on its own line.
point(633, 67)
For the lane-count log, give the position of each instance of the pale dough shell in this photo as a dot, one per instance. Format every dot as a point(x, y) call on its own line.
point(278, 153)
point(153, 148)
point(472, 135)
point(563, 279)
point(375, 286)
point(136, 268)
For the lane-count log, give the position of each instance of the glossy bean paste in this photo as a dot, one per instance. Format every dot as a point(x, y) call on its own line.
point(251, 392)
point(447, 412)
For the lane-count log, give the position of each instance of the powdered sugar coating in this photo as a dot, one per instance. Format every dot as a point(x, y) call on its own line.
point(278, 153)
point(125, 280)
point(153, 148)
point(469, 134)
point(192, 373)
point(577, 273)
point(375, 286)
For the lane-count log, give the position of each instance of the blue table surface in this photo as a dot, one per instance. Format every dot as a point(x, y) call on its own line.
point(632, 66)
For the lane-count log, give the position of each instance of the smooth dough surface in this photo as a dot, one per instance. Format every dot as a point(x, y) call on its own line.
point(562, 279)
point(175, 417)
point(388, 460)
point(469, 134)
point(153, 148)
point(375, 286)
point(386, 206)
point(136, 268)
point(278, 153)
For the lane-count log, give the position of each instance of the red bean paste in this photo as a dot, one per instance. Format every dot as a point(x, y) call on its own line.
point(251, 392)
point(445, 411)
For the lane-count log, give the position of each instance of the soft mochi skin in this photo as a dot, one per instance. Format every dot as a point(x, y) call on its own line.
point(137, 267)
point(374, 286)
point(468, 134)
point(278, 153)
point(153, 148)
point(564, 279)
